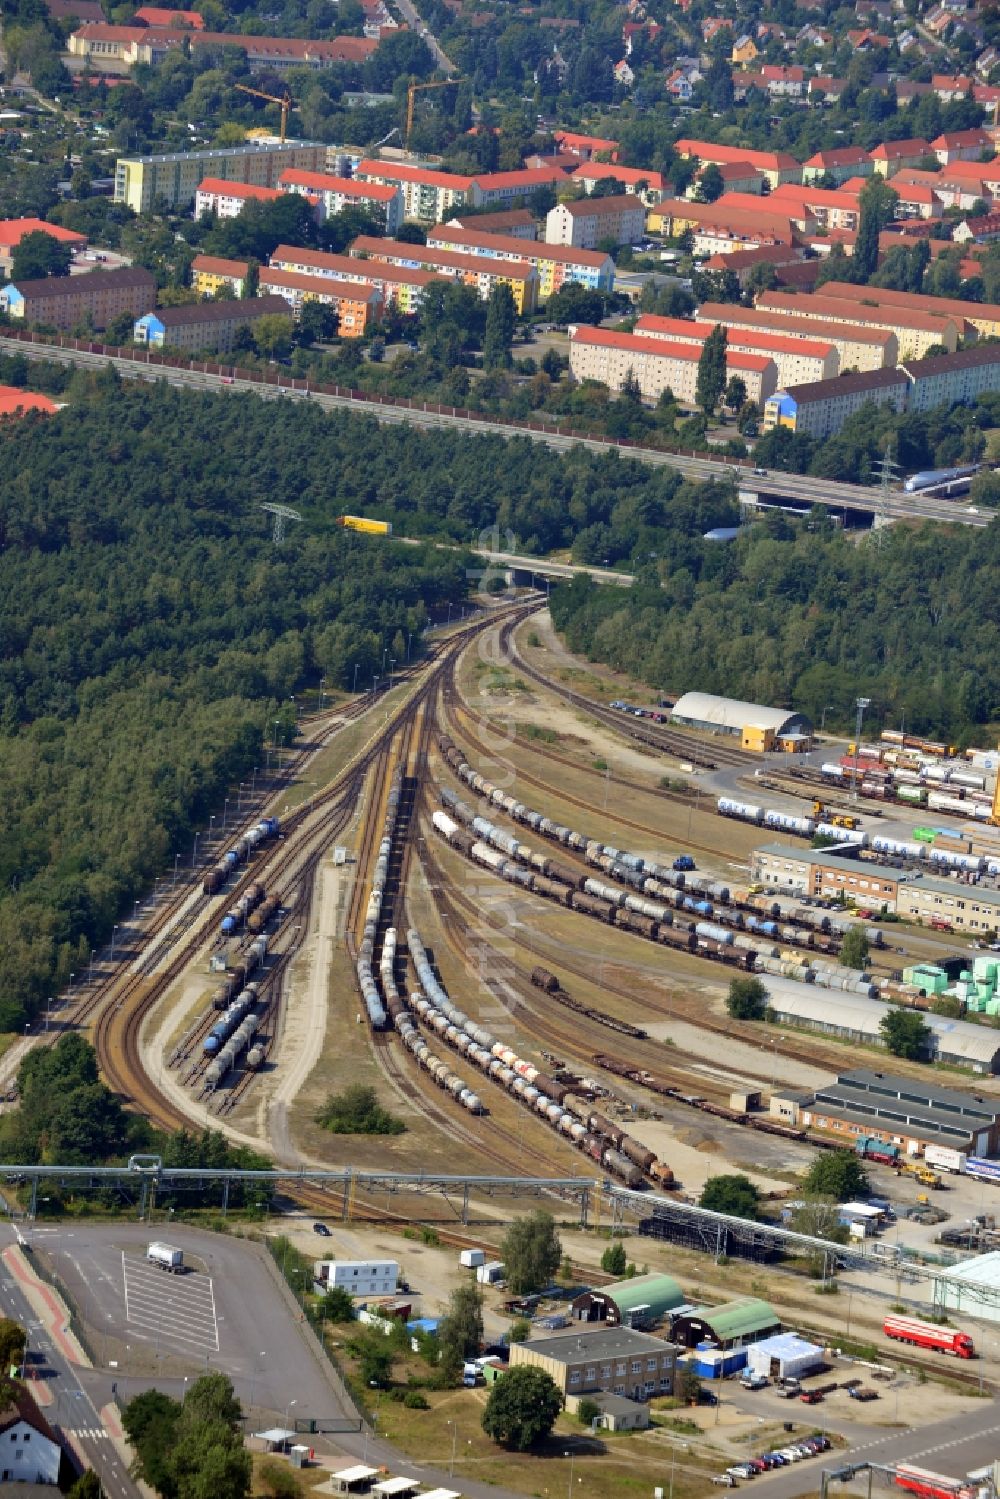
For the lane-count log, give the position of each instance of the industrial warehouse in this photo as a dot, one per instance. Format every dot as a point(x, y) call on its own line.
point(758, 728)
point(852, 1017)
point(902, 1112)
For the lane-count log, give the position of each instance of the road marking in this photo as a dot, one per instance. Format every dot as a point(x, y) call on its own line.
point(180, 1309)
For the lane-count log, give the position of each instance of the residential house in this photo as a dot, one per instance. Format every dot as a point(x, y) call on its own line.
point(737, 177)
point(12, 231)
point(839, 163)
point(586, 147)
point(962, 145)
point(203, 325)
point(712, 25)
point(586, 223)
point(211, 274)
point(155, 15)
point(971, 318)
point(427, 193)
point(744, 51)
point(555, 264)
point(613, 359)
point(825, 90)
point(333, 194)
point(357, 304)
point(814, 207)
point(868, 41)
point(623, 73)
point(951, 86)
point(480, 272)
point(29, 1451)
point(783, 82)
point(66, 302)
point(984, 230)
point(892, 156)
point(719, 227)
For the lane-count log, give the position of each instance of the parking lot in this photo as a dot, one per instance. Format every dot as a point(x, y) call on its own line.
point(178, 1310)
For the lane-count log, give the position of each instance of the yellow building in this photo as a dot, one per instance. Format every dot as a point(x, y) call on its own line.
point(173, 178)
point(211, 274)
point(916, 332)
point(482, 272)
point(744, 51)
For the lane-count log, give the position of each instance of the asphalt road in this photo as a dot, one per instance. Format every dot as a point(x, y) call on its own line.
point(837, 497)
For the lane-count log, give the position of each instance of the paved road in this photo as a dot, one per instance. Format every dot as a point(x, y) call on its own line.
point(413, 19)
point(837, 497)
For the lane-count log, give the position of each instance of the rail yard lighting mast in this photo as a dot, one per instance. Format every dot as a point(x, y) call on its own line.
point(861, 704)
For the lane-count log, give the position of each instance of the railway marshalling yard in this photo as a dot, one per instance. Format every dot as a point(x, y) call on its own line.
point(533, 720)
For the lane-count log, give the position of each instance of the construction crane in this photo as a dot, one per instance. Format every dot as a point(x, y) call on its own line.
point(416, 88)
point(285, 102)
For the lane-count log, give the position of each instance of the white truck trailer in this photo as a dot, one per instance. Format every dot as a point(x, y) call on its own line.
point(166, 1256)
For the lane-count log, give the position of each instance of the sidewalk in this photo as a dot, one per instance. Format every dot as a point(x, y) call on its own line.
point(47, 1305)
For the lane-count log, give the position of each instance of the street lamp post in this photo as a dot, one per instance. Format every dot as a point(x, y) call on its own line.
point(176, 862)
point(861, 704)
point(225, 813)
point(194, 851)
point(322, 684)
point(572, 1458)
point(822, 721)
point(454, 1440)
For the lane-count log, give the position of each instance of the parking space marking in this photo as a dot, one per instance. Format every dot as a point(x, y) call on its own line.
point(179, 1309)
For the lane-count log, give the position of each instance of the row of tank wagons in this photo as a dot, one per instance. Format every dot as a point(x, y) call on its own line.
point(878, 843)
point(225, 1059)
point(377, 1017)
point(705, 939)
point(599, 1138)
point(409, 1033)
point(237, 917)
point(240, 852)
point(235, 981)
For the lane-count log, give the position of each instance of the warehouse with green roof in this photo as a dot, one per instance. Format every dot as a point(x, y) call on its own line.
point(640, 1302)
point(732, 1325)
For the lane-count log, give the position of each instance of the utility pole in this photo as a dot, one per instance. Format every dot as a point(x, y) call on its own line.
point(861, 704)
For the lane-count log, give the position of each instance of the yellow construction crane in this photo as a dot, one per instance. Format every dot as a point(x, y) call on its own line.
point(285, 103)
point(416, 88)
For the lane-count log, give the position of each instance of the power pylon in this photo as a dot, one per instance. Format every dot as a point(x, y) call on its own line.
point(282, 515)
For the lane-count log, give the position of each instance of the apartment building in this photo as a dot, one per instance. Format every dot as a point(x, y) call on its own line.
point(203, 325)
point(982, 317)
point(12, 231)
point(742, 262)
point(612, 358)
point(555, 264)
point(585, 1359)
point(123, 47)
point(586, 223)
point(811, 872)
point(720, 226)
point(965, 908)
point(817, 206)
point(737, 177)
point(399, 287)
point(776, 166)
point(821, 407)
point(797, 360)
point(427, 194)
point(892, 156)
point(357, 304)
point(94, 299)
point(962, 145)
point(477, 271)
point(155, 15)
point(840, 164)
point(173, 179)
point(857, 348)
point(501, 189)
point(211, 274)
point(516, 223)
point(227, 199)
point(947, 379)
point(334, 194)
point(649, 186)
point(585, 147)
point(916, 331)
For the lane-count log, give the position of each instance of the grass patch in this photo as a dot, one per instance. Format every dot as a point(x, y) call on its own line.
point(537, 732)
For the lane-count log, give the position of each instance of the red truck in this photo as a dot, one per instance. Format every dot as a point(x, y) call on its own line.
point(929, 1335)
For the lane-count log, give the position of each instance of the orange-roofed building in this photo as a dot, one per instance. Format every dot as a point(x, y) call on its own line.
point(612, 358)
point(334, 194)
point(841, 163)
point(892, 156)
point(776, 166)
point(962, 145)
point(211, 274)
point(797, 360)
point(226, 199)
point(651, 185)
point(12, 231)
point(500, 189)
point(155, 15)
point(357, 304)
point(427, 194)
point(17, 402)
point(585, 147)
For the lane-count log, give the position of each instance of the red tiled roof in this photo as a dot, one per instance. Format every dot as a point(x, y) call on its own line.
point(526, 177)
point(349, 186)
point(600, 171)
point(376, 248)
point(16, 402)
point(12, 231)
point(893, 150)
point(399, 172)
point(155, 15)
point(344, 290)
point(218, 187)
point(350, 266)
point(770, 161)
point(840, 156)
point(215, 265)
point(609, 338)
point(585, 208)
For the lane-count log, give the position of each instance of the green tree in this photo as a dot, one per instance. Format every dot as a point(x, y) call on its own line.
point(735, 1195)
point(574, 303)
point(531, 1252)
point(522, 1408)
point(878, 206)
point(519, 1330)
point(747, 999)
point(906, 1034)
point(317, 321)
point(357, 1111)
point(736, 394)
point(12, 1341)
point(375, 1363)
point(460, 1331)
point(711, 184)
point(37, 255)
point(336, 1305)
point(273, 333)
point(587, 1411)
point(689, 1387)
point(818, 1218)
point(760, 277)
point(854, 948)
point(501, 316)
point(150, 1421)
point(614, 1259)
point(712, 370)
point(87, 1486)
point(836, 1174)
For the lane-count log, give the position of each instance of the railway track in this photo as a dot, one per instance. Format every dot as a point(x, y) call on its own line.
point(671, 742)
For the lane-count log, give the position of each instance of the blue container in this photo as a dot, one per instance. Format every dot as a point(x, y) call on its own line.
point(212, 1044)
point(703, 907)
point(228, 925)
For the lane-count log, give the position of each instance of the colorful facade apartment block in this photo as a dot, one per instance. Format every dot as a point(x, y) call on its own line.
point(357, 304)
point(211, 274)
point(398, 287)
point(555, 264)
point(334, 194)
point(427, 194)
point(477, 271)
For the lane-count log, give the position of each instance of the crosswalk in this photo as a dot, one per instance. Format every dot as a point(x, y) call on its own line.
point(88, 1433)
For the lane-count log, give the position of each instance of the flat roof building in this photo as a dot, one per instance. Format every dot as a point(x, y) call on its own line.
point(644, 1298)
point(971, 1288)
point(909, 1112)
point(632, 1364)
point(173, 178)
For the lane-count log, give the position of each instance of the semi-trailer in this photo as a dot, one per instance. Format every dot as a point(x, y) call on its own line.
point(929, 1335)
point(166, 1256)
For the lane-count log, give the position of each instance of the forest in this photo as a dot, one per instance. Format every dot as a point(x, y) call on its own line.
point(149, 629)
point(812, 618)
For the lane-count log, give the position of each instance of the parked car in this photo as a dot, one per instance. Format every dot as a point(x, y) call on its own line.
point(322, 1230)
point(725, 1481)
